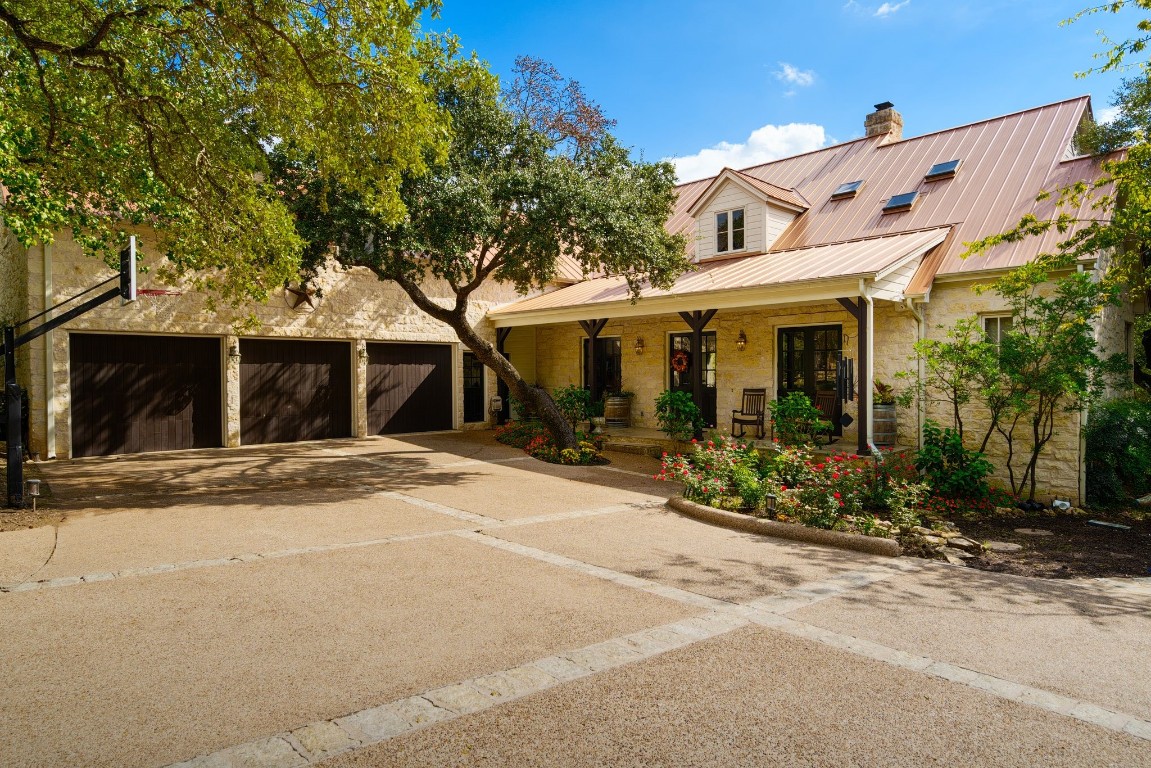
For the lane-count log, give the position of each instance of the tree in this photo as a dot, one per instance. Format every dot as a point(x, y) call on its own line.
point(1120, 200)
point(116, 112)
point(526, 181)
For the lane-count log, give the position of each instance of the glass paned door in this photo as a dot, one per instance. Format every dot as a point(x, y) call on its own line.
point(808, 361)
point(608, 363)
point(473, 388)
point(680, 357)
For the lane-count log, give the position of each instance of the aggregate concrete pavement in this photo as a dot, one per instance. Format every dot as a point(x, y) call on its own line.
point(442, 599)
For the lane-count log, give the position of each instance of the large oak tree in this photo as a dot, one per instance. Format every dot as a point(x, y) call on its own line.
point(532, 175)
point(163, 111)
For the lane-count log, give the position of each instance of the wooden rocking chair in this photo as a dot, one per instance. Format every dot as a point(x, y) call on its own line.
point(751, 412)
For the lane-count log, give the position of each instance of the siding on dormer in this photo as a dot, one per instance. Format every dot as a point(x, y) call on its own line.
point(729, 198)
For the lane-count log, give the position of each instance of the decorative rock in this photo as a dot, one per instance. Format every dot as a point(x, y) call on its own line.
point(961, 542)
point(935, 541)
point(951, 552)
point(1144, 501)
point(949, 534)
point(1004, 512)
point(1003, 546)
point(922, 531)
point(1033, 532)
point(954, 559)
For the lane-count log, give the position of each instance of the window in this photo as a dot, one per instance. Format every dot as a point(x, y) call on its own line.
point(941, 171)
point(846, 190)
point(902, 202)
point(729, 231)
point(995, 326)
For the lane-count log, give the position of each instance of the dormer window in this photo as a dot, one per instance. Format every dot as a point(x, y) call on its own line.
point(941, 171)
point(729, 231)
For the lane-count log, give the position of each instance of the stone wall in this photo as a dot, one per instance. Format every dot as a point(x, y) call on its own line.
point(355, 306)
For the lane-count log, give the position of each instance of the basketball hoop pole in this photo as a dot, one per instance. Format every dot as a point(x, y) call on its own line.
point(126, 290)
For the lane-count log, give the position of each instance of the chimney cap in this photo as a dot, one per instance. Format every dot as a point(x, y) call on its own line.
point(884, 105)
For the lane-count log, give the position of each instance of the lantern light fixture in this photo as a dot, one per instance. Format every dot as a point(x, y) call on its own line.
point(741, 340)
point(639, 345)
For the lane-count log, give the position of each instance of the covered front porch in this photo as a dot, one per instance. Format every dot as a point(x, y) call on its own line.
point(827, 321)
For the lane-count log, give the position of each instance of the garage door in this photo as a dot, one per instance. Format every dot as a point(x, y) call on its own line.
point(294, 390)
point(132, 394)
point(409, 388)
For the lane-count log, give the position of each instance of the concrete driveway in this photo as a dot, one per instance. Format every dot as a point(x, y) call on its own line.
point(443, 600)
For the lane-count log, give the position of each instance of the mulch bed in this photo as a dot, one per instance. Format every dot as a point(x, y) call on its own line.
point(1074, 550)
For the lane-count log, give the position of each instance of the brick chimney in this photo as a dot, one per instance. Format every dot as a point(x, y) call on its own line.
point(884, 121)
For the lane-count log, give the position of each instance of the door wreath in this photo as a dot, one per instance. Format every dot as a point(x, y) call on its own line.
point(680, 361)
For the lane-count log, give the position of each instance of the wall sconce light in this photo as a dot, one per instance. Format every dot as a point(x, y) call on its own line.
point(639, 345)
point(741, 341)
point(234, 349)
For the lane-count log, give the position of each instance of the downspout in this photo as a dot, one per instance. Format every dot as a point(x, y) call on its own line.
point(49, 375)
point(869, 390)
point(920, 334)
point(1083, 426)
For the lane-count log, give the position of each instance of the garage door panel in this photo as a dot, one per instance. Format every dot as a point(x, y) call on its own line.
point(409, 388)
point(136, 394)
point(293, 390)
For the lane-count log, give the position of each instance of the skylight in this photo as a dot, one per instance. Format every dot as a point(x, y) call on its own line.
point(942, 170)
point(844, 191)
point(901, 202)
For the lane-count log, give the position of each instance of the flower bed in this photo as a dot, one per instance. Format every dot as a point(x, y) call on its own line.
point(536, 441)
point(839, 492)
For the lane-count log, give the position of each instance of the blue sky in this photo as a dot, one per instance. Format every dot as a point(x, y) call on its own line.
point(746, 82)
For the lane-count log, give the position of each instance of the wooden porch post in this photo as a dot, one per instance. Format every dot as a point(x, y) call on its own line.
point(592, 328)
point(863, 368)
point(697, 321)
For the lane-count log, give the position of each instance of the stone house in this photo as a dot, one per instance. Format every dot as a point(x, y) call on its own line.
point(845, 254)
point(842, 256)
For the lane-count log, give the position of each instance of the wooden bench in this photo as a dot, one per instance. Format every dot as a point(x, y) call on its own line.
point(750, 413)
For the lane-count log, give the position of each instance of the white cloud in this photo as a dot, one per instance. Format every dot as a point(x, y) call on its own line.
point(788, 73)
point(770, 142)
point(889, 8)
point(1107, 115)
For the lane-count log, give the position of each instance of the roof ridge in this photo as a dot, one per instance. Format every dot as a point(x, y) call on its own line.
point(744, 171)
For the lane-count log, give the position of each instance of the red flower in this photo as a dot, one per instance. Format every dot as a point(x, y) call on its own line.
point(836, 495)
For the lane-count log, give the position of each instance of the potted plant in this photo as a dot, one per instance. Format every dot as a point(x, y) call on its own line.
point(677, 415)
point(597, 417)
point(885, 428)
point(617, 408)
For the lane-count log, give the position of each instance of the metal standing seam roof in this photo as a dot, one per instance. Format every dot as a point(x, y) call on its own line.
point(863, 258)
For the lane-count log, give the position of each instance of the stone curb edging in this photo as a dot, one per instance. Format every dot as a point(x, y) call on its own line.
point(736, 521)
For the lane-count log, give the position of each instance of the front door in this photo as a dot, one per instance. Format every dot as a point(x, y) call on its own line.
point(808, 360)
point(608, 366)
point(683, 366)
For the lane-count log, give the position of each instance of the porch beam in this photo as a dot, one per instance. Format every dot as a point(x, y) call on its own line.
point(851, 307)
point(697, 321)
point(863, 345)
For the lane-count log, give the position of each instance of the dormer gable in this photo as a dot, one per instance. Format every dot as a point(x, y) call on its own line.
point(737, 213)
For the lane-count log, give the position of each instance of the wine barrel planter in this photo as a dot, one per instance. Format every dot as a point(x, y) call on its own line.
point(617, 411)
point(885, 427)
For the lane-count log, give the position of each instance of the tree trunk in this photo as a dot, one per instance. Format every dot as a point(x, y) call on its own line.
point(456, 318)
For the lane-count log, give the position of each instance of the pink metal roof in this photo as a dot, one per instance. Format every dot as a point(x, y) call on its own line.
point(865, 257)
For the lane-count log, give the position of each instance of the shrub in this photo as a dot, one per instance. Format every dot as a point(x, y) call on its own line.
point(903, 502)
point(535, 440)
point(949, 468)
point(1119, 450)
point(518, 434)
point(795, 420)
point(574, 403)
point(677, 414)
point(718, 473)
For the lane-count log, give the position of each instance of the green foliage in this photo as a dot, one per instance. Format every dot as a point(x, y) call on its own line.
point(574, 403)
point(677, 414)
point(1119, 450)
point(948, 467)
point(904, 501)
point(518, 434)
point(115, 112)
point(796, 420)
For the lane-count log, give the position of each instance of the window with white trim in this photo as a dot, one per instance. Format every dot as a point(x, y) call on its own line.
point(729, 231)
point(994, 326)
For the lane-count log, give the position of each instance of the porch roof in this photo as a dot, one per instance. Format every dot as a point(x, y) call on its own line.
point(800, 275)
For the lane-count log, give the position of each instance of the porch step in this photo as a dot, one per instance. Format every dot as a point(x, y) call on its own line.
point(642, 449)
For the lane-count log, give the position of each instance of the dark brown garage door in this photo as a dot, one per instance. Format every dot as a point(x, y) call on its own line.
point(132, 394)
point(409, 388)
point(294, 390)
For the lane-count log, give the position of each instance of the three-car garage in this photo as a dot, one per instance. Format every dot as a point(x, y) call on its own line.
point(134, 394)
